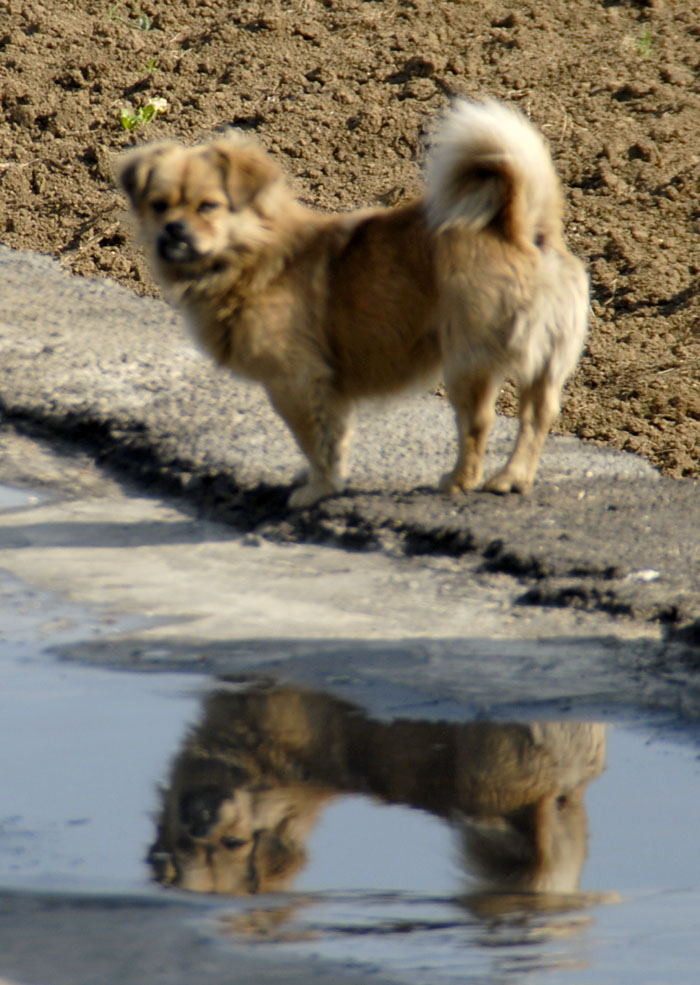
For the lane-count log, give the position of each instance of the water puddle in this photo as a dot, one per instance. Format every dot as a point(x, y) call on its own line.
point(435, 852)
point(12, 498)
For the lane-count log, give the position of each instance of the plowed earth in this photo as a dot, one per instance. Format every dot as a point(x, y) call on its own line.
point(344, 92)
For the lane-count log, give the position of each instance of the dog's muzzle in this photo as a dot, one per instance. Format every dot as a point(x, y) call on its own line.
point(175, 244)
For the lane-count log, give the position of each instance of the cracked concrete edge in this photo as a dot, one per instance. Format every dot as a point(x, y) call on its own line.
point(347, 523)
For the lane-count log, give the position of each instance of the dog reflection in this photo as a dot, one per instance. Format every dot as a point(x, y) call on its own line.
point(252, 777)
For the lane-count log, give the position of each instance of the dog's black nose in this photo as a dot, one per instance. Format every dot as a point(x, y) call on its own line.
point(199, 810)
point(177, 231)
point(175, 244)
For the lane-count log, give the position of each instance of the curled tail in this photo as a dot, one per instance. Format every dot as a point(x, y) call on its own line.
point(489, 167)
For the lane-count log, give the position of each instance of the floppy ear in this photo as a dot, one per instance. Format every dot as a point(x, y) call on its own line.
point(134, 167)
point(246, 169)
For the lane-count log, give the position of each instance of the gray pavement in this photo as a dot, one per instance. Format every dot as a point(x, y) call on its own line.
point(117, 374)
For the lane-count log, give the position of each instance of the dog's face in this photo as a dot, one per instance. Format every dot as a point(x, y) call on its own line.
point(195, 204)
point(237, 842)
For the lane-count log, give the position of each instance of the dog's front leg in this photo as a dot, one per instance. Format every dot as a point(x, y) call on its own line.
point(474, 401)
point(318, 419)
point(539, 407)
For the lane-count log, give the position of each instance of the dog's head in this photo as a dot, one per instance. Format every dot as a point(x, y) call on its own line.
point(196, 204)
point(233, 841)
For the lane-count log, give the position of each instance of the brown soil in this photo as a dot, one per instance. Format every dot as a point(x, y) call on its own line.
point(343, 92)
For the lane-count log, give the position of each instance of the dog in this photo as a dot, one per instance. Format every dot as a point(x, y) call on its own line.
point(473, 280)
point(256, 773)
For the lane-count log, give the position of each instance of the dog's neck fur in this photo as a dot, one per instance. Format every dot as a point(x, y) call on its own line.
point(221, 295)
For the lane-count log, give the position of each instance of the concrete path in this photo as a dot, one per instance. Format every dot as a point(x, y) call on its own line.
point(117, 374)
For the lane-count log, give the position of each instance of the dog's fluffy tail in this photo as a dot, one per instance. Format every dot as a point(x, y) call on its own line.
point(489, 167)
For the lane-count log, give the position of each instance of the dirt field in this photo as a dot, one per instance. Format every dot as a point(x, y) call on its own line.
point(343, 92)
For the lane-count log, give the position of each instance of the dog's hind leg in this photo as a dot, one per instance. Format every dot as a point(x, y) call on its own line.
point(319, 420)
point(473, 399)
point(539, 407)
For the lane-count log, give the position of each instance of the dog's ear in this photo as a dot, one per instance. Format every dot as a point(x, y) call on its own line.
point(133, 169)
point(247, 171)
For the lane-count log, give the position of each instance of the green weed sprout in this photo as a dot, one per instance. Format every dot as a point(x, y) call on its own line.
point(142, 23)
point(144, 114)
point(644, 44)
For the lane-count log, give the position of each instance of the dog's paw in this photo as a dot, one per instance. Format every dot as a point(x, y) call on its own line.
point(309, 494)
point(452, 485)
point(504, 482)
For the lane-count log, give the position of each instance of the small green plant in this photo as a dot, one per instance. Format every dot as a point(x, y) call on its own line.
point(644, 43)
point(144, 114)
point(142, 23)
point(152, 65)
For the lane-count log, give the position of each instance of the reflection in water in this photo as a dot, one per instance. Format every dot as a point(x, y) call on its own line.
point(253, 776)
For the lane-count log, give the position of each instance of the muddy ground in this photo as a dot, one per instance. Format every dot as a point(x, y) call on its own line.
point(344, 94)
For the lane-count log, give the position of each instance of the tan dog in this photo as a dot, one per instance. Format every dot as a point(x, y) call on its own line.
point(255, 774)
point(473, 279)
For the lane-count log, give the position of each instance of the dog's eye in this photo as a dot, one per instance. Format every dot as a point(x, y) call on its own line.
point(232, 843)
point(159, 205)
point(205, 207)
